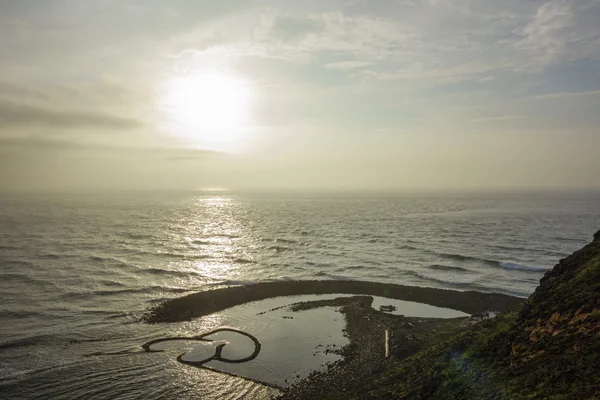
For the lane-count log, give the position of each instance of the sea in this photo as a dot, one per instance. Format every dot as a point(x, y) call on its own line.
point(78, 271)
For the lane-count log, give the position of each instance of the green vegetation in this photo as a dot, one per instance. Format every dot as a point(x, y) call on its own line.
point(547, 348)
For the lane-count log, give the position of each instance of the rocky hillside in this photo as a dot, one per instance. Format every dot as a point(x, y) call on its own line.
point(547, 348)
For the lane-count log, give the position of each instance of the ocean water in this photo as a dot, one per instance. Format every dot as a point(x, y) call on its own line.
point(78, 272)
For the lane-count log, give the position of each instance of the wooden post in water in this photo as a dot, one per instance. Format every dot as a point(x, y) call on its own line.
point(387, 343)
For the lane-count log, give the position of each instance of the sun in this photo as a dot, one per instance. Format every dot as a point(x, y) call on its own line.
point(210, 108)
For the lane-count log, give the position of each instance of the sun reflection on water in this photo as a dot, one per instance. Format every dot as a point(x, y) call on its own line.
point(217, 201)
point(214, 235)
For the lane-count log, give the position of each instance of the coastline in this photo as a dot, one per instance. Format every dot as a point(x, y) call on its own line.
point(366, 327)
point(204, 303)
point(548, 347)
point(544, 346)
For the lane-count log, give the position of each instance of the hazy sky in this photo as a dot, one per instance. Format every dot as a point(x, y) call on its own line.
point(355, 94)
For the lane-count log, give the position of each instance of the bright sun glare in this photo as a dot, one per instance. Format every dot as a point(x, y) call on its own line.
point(210, 108)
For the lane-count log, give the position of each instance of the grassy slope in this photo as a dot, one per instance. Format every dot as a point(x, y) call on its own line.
point(547, 348)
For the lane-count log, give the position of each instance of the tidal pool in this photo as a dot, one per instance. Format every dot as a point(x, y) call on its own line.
point(292, 343)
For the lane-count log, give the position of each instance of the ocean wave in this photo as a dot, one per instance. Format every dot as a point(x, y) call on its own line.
point(231, 283)
point(108, 260)
point(226, 236)
point(18, 262)
point(50, 256)
point(462, 257)
point(443, 281)
point(521, 267)
point(409, 247)
point(279, 249)
point(333, 277)
point(569, 239)
point(137, 236)
point(104, 293)
point(160, 271)
point(463, 285)
point(509, 248)
point(440, 267)
point(319, 264)
point(280, 240)
point(377, 240)
point(168, 255)
point(557, 254)
point(171, 255)
point(16, 314)
point(7, 373)
point(27, 341)
point(452, 256)
point(112, 283)
point(240, 260)
point(201, 242)
point(531, 249)
point(355, 267)
point(493, 263)
point(370, 234)
point(27, 279)
point(467, 258)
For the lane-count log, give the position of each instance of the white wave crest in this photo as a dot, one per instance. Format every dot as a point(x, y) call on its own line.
point(521, 267)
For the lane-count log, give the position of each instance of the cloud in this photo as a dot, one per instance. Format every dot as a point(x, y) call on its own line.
point(92, 92)
point(10, 90)
point(477, 71)
point(48, 146)
point(349, 64)
point(18, 115)
point(29, 143)
point(562, 31)
point(291, 28)
point(497, 118)
point(444, 40)
point(293, 37)
point(566, 95)
point(432, 42)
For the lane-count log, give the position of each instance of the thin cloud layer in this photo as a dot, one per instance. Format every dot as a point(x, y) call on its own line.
point(17, 115)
